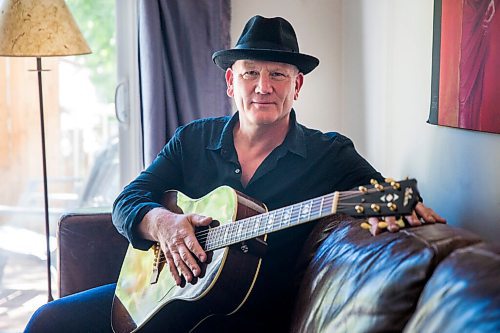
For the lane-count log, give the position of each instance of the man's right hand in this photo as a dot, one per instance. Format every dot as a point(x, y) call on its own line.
point(175, 234)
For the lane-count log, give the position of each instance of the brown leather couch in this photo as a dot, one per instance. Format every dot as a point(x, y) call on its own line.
point(434, 278)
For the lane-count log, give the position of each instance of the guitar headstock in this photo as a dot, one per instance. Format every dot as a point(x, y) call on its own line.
point(381, 199)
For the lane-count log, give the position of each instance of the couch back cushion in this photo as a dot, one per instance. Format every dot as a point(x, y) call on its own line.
point(355, 282)
point(91, 251)
point(463, 294)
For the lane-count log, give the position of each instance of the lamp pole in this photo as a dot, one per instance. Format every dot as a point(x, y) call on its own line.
point(45, 185)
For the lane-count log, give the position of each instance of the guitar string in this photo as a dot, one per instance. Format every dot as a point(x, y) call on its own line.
point(202, 235)
point(203, 238)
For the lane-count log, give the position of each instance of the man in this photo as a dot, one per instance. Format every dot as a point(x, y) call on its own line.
point(261, 151)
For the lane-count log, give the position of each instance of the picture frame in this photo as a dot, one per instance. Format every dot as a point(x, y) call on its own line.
point(465, 87)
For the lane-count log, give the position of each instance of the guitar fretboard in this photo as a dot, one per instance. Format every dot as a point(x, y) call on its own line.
point(258, 225)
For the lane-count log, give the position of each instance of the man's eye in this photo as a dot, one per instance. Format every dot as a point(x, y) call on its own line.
point(250, 75)
point(278, 76)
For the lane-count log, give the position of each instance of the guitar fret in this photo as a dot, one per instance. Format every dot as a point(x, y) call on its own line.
point(305, 211)
point(294, 215)
point(222, 233)
point(270, 222)
point(247, 228)
point(327, 207)
point(234, 232)
point(210, 238)
point(282, 210)
point(230, 233)
point(321, 206)
point(313, 210)
point(287, 215)
point(240, 228)
point(226, 233)
point(216, 233)
point(255, 231)
point(262, 226)
point(208, 242)
point(318, 202)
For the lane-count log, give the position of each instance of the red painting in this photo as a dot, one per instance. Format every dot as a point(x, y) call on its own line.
point(466, 65)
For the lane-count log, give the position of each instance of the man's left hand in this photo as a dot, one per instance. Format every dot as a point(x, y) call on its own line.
point(420, 215)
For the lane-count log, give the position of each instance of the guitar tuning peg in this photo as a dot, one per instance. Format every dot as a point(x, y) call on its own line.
point(392, 206)
point(366, 225)
point(382, 224)
point(389, 180)
point(395, 185)
point(375, 208)
point(362, 189)
point(379, 187)
point(373, 181)
point(359, 209)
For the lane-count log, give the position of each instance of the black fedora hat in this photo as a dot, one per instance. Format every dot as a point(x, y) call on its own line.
point(269, 39)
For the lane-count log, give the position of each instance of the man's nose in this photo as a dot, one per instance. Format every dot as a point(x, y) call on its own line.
point(264, 85)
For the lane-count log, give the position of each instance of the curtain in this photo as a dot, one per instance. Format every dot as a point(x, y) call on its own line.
point(179, 81)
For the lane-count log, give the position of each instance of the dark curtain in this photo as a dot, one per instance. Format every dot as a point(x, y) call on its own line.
point(179, 81)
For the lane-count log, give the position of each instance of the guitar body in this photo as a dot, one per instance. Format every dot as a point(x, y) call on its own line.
point(223, 287)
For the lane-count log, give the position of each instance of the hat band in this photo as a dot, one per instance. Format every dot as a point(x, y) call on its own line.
point(263, 45)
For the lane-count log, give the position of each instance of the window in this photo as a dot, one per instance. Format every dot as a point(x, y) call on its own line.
point(83, 153)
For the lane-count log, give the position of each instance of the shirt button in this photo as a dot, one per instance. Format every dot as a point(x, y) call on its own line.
point(237, 170)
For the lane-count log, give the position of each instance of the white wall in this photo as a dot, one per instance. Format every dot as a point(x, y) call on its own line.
point(373, 84)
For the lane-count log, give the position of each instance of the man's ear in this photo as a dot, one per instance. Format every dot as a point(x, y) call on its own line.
point(299, 80)
point(229, 82)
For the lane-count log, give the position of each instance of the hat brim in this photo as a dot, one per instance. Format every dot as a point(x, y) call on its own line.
point(226, 58)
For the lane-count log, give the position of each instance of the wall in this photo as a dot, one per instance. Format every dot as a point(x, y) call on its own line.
point(373, 84)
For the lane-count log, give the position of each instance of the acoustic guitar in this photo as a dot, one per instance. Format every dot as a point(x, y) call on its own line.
point(146, 292)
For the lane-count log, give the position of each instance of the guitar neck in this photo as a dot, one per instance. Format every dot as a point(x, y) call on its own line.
point(259, 225)
point(386, 199)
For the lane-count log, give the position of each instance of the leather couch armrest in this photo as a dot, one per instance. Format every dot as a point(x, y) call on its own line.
point(463, 294)
point(90, 251)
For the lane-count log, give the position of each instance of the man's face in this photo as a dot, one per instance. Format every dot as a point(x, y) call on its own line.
point(263, 91)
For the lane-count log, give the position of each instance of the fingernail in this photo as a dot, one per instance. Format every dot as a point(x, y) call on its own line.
point(393, 228)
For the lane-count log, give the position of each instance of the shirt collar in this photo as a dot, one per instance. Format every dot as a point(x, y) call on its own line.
point(294, 141)
point(225, 139)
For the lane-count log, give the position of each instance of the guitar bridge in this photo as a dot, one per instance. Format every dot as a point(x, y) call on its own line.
point(158, 254)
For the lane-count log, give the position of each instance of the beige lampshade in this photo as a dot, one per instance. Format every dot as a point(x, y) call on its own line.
point(39, 28)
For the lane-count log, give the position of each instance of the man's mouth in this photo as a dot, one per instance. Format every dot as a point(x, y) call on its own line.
point(263, 102)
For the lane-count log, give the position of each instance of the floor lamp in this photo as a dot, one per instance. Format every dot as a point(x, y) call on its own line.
point(34, 28)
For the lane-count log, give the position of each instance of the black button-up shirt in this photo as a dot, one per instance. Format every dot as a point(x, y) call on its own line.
point(201, 157)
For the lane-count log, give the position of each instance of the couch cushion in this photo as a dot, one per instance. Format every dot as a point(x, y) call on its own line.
point(91, 251)
point(463, 294)
point(359, 283)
